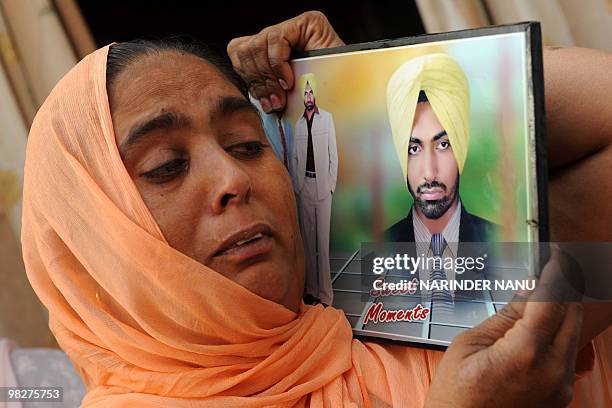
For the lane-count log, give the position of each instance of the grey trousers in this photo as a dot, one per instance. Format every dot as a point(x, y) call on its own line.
point(315, 217)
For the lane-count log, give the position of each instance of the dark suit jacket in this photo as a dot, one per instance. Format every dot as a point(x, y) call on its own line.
point(472, 229)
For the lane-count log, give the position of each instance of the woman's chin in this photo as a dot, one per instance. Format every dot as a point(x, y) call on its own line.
point(271, 278)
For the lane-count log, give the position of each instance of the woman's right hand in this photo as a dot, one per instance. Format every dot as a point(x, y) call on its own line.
point(523, 356)
point(262, 60)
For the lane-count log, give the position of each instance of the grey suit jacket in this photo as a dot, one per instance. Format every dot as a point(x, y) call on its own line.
point(324, 149)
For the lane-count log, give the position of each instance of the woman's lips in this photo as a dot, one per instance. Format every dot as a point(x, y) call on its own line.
point(253, 248)
point(433, 194)
point(247, 243)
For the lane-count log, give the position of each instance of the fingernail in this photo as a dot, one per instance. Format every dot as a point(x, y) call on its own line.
point(265, 104)
point(276, 103)
point(283, 84)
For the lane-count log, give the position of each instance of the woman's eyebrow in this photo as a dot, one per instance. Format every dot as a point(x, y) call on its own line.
point(228, 105)
point(164, 121)
point(167, 120)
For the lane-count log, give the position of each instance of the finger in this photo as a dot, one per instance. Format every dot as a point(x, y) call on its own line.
point(568, 335)
point(530, 318)
point(312, 31)
point(233, 50)
point(240, 55)
point(496, 326)
point(260, 58)
point(562, 278)
point(251, 75)
point(565, 348)
point(547, 307)
point(279, 52)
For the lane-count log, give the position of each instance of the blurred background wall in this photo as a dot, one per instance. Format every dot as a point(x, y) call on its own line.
point(41, 39)
point(585, 23)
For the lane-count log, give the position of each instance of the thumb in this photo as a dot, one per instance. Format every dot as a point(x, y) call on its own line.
point(496, 326)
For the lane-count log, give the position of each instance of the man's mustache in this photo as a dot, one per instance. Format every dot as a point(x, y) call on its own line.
point(431, 185)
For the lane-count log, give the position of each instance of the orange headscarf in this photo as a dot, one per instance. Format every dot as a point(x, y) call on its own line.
point(147, 326)
point(144, 324)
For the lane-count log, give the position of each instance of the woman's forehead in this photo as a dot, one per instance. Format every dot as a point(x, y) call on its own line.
point(165, 75)
point(166, 81)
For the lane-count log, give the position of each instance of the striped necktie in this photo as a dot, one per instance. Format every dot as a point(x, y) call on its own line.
point(441, 299)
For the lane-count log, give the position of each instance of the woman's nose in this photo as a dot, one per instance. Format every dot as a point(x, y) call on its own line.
point(231, 184)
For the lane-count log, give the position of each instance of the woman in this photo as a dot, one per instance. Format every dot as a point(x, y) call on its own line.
point(159, 231)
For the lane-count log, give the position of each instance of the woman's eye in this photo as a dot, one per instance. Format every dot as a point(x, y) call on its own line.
point(414, 149)
point(247, 150)
point(167, 171)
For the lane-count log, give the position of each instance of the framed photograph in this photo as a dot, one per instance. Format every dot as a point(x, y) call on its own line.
point(419, 168)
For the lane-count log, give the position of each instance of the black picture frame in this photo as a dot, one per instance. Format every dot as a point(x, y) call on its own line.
point(537, 140)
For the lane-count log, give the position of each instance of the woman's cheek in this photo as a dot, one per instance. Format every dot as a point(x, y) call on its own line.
point(281, 198)
point(276, 179)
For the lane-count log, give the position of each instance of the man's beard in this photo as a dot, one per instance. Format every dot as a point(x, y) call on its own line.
point(309, 105)
point(434, 209)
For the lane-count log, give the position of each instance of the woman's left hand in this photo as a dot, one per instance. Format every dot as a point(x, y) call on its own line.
point(523, 356)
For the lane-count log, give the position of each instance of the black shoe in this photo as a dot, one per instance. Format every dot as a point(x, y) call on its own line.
point(311, 300)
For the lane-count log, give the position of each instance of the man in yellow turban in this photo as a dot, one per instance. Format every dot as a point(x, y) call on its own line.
point(429, 106)
point(428, 102)
point(315, 162)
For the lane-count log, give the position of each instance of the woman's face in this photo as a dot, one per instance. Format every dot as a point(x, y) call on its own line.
point(197, 152)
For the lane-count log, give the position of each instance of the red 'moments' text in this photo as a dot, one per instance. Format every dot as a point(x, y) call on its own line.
point(377, 314)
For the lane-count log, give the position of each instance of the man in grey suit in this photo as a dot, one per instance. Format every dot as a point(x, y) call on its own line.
point(315, 162)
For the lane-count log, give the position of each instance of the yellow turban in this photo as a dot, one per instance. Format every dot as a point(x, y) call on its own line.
point(447, 90)
point(308, 79)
